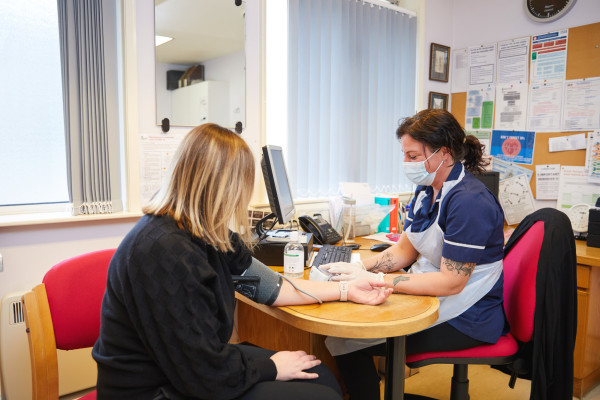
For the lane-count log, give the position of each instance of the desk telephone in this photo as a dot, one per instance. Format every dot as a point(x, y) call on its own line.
point(323, 232)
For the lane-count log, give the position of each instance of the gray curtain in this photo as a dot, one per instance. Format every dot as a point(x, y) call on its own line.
point(351, 78)
point(89, 57)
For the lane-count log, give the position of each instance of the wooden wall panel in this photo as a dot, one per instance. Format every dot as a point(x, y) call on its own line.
point(459, 104)
point(583, 51)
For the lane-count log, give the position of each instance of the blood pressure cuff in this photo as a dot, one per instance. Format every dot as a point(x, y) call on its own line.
point(259, 283)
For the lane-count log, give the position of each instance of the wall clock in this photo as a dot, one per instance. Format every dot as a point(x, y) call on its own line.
point(547, 10)
point(579, 215)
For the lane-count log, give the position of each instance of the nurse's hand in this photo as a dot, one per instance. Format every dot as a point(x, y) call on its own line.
point(342, 271)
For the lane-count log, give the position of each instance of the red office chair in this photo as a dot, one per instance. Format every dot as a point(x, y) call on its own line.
point(543, 240)
point(63, 313)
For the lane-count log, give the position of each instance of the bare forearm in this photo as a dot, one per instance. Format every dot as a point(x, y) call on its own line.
point(430, 284)
point(394, 258)
point(451, 279)
point(288, 295)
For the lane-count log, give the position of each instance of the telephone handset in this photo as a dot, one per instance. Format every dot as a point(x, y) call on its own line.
point(322, 231)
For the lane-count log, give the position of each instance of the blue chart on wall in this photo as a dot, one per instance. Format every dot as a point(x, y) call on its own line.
point(513, 146)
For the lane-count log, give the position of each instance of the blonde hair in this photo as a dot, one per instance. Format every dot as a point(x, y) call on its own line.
point(210, 185)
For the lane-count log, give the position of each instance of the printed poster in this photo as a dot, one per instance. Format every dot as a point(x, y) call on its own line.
point(513, 61)
point(516, 199)
point(508, 169)
point(482, 64)
point(545, 107)
point(549, 56)
point(513, 146)
point(511, 107)
point(546, 181)
point(479, 113)
point(581, 110)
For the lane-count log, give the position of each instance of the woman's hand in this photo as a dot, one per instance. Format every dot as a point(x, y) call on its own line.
point(343, 271)
point(369, 291)
point(292, 364)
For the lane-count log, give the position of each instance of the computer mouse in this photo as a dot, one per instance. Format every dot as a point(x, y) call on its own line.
point(380, 246)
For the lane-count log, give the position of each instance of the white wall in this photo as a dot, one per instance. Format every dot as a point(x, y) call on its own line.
point(438, 28)
point(163, 95)
point(230, 68)
point(484, 21)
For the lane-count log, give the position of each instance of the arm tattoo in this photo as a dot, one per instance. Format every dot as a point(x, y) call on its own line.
point(460, 267)
point(401, 278)
point(384, 264)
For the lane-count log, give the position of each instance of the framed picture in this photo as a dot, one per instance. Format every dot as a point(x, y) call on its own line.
point(439, 62)
point(438, 100)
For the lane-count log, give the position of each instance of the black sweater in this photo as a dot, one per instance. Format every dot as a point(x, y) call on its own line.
point(167, 316)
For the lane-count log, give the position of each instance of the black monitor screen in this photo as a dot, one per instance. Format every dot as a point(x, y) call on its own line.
point(276, 181)
point(491, 179)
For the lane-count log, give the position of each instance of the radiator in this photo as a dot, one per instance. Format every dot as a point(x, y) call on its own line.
point(76, 368)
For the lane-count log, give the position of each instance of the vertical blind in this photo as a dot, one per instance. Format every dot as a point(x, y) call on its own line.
point(89, 61)
point(351, 80)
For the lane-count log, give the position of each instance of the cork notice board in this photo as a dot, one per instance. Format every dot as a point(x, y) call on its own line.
point(583, 61)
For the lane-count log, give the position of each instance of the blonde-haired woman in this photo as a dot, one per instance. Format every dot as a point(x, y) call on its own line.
point(167, 313)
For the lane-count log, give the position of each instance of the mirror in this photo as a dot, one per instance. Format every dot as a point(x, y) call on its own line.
point(200, 73)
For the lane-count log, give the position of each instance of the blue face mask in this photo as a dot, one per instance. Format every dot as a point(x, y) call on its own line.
point(417, 173)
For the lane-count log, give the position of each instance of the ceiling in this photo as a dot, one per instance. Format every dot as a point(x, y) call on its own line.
point(201, 30)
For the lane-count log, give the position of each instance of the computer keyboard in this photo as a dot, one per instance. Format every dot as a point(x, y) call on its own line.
point(330, 253)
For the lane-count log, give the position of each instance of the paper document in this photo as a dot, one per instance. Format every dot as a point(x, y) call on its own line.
point(482, 64)
point(479, 113)
point(592, 160)
point(156, 154)
point(513, 60)
point(549, 56)
point(508, 169)
point(545, 105)
point(565, 143)
point(516, 199)
point(581, 111)
point(511, 107)
point(513, 146)
point(574, 188)
point(546, 181)
point(460, 66)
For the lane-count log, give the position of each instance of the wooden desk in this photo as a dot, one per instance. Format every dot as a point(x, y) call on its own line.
point(587, 344)
point(305, 328)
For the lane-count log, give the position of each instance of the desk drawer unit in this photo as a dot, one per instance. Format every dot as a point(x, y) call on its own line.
point(587, 345)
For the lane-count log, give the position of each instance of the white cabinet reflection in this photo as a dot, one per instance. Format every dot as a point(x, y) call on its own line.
point(209, 33)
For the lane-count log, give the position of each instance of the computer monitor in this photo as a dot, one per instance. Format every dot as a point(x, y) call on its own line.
point(491, 179)
point(276, 181)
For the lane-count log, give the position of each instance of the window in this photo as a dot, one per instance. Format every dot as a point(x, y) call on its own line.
point(32, 139)
point(351, 79)
point(61, 110)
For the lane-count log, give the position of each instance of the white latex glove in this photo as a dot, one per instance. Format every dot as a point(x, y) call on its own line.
point(342, 271)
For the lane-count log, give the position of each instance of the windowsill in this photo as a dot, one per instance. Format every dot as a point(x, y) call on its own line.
point(60, 218)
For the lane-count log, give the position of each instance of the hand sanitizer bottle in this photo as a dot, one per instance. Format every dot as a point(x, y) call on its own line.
point(293, 257)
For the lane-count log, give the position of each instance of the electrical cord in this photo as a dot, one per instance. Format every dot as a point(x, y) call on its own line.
point(259, 228)
point(300, 290)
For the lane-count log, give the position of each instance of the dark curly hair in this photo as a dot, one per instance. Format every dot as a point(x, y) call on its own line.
point(438, 128)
